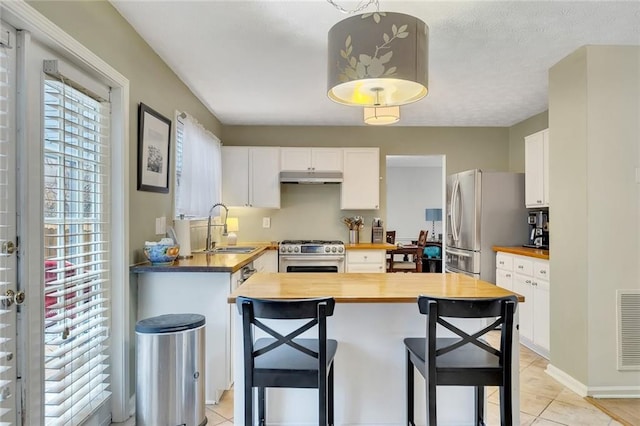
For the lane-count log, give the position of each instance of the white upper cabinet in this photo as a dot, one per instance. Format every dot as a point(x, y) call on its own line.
point(361, 179)
point(536, 151)
point(250, 176)
point(311, 159)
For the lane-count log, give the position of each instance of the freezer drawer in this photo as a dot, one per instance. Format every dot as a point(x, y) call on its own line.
point(463, 260)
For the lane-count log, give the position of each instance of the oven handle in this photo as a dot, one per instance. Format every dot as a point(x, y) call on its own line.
point(299, 258)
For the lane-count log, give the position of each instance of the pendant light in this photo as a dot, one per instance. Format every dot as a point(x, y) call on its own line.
point(378, 59)
point(382, 115)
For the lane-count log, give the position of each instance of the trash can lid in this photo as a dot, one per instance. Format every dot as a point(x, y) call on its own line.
point(170, 323)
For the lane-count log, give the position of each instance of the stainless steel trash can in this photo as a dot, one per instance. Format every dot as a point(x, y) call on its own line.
point(170, 370)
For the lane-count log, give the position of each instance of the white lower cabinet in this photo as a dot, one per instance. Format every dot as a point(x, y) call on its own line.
point(203, 293)
point(504, 271)
point(366, 261)
point(528, 277)
point(267, 262)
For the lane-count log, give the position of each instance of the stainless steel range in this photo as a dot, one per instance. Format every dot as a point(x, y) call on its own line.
point(311, 256)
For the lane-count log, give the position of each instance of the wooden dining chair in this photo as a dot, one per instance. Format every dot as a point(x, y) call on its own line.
point(412, 256)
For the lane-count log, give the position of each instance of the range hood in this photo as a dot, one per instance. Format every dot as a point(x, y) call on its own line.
point(310, 177)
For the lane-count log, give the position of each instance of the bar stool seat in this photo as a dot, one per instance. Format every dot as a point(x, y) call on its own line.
point(465, 360)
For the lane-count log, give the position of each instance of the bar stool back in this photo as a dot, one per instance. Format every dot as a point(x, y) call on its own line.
point(464, 360)
point(286, 361)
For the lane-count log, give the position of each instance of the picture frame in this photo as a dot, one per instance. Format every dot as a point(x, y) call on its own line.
point(154, 140)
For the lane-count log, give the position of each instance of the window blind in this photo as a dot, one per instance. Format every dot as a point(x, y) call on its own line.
point(76, 252)
point(7, 261)
point(198, 169)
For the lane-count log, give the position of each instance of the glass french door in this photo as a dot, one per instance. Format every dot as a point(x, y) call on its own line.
point(9, 295)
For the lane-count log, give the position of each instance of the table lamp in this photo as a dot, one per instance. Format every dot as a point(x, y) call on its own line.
point(433, 215)
point(232, 228)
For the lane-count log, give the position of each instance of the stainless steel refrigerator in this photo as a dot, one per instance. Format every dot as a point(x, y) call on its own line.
point(484, 209)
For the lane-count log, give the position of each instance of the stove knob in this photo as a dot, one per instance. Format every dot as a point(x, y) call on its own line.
point(333, 249)
point(296, 249)
point(283, 249)
point(289, 249)
point(340, 249)
point(327, 249)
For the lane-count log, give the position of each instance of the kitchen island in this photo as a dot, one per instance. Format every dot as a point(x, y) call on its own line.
point(373, 314)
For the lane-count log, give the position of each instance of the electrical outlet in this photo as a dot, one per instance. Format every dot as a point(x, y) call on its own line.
point(266, 222)
point(161, 225)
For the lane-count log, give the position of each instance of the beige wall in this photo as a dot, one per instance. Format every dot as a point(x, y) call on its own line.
point(594, 105)
point(517, 132)
point(99, 27)
point(464, 148)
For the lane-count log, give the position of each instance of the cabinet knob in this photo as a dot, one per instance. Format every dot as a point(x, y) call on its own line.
point(528, 281)
point(539, 201)
point(508, 275)
point(534, 283)
point(542, 271)
point(501, 262)
point(520, 267)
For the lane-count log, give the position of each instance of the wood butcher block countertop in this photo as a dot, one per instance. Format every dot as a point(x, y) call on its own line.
point(524, 251)
point(365, 287)
point(209, 262)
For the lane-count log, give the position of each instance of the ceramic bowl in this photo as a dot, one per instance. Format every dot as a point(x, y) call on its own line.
point(161, 254)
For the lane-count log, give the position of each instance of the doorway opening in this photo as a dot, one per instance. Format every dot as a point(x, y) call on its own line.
point(416, 192)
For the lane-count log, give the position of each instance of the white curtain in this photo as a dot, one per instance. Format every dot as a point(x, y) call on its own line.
point(199, 183)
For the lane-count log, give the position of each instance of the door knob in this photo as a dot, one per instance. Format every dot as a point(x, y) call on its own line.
point(7, 247)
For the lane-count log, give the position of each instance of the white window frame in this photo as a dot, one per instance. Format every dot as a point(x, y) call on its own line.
point(34, 24)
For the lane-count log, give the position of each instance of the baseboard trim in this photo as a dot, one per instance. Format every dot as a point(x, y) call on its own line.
point(592, 391)
point(567, 381)
point(614, 392)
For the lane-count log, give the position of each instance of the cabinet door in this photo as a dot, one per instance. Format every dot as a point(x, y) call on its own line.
point(523, 265)
point(326, 159)
point(545, 168)
point(366, 261)
point(522, 285)
point(504, 279)
point(361, 179)
point(541, 313)
point(235, 175)
point(504, 261)
point(267, 262)
point(534, 170)
point(264, 177)
point(295, 159)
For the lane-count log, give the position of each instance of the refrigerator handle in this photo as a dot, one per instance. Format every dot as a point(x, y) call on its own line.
point(454, 209)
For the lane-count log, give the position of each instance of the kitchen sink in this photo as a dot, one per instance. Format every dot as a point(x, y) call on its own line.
point(232, 250)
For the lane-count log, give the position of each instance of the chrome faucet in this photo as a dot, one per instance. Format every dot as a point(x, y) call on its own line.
point(209, 243)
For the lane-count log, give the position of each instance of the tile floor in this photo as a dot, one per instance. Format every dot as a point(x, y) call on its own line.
point(543, 401)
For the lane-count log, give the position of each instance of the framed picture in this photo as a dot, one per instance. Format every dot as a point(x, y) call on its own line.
point(154, 134)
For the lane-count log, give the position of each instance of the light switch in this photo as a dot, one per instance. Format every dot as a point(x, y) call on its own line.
point(266, 222)
point(161, 225)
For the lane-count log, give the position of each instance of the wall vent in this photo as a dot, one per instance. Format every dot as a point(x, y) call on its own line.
point(628, 312)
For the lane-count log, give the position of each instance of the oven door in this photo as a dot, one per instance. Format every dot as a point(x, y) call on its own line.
point(310, 263)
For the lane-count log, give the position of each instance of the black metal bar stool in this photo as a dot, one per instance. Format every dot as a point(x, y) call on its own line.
point(285, 361)
point(465, 360)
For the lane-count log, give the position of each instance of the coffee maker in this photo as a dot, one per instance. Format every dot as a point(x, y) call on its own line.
point(538, 229)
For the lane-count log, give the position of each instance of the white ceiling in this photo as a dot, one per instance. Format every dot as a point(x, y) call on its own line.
point(264, 62)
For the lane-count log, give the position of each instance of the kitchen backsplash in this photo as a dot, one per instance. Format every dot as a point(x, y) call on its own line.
point(306, 212)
